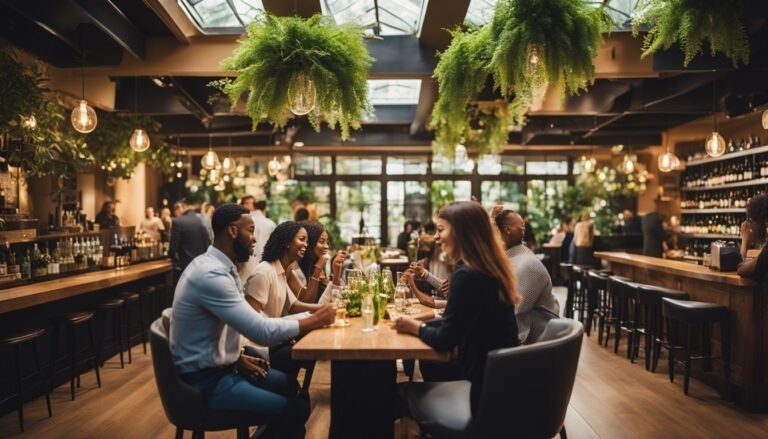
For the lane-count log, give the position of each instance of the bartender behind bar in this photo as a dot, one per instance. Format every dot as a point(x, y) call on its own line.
point(753, 239)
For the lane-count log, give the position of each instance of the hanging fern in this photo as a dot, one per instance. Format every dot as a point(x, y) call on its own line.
point(565, 36)
point(690, 22)
point(278, 49)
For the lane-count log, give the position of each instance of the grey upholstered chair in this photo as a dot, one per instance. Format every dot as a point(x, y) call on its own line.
point(525, 393)
point(183, 404)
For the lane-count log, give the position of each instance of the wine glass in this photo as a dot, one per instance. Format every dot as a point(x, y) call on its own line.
point(354, 277)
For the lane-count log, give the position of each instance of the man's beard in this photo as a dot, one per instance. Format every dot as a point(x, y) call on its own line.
point(242, 252)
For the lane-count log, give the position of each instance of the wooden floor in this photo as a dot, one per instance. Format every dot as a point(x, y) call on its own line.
point(611, 399)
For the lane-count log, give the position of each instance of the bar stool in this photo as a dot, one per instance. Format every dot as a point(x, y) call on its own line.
point(14, 343)
point(72, 321)
point(624, 297)
point(566, 272)
point(580, 291)
point(148, 295)
point(132, 300)
point(698, 315)
point(656, 334)
point(114, 309)
point(598, 302)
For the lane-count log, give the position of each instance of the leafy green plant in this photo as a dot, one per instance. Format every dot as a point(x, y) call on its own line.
point(278, 51)
point(21, 92)
point(334, 232)
point(539, 42)
point(441, 193)
point(690, 22)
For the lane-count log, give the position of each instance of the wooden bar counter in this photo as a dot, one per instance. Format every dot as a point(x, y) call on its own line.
point(27, 296)
point(749, 308)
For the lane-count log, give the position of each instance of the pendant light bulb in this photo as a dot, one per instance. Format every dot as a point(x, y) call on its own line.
point(588, 164)
point(84, 117)
point(303, 94)
point(29, 122)
point(715, 145)
point(228, 165)
point(274, 167)
point(210, 160)
point(214, 176)
point(765, 119)
point(628, 166)
point(668, 162)
point(139, 140)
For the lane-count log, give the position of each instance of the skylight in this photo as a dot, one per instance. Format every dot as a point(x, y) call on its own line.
point(394, 91)
point(382, 17)
point(222, 16)
point(480, 12)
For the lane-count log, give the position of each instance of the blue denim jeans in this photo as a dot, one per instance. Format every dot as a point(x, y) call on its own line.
point(275, 397)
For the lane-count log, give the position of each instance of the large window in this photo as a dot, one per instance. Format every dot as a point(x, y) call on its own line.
point(509, 193)
point(443, 192)
point(358, 210)
point(406, 200)
point(410, 165)
point(358, 165)
point(313, 165)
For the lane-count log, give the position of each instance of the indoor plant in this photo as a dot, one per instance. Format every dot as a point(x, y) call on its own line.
point(689, 23)
point(286, 59)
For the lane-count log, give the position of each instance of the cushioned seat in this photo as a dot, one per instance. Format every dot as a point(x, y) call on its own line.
point(509, 406)
point(694, 312)
point(21, 337)
point(73, 318)
point(12, 348)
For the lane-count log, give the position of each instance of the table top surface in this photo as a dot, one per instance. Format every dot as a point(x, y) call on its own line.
point(26, 296)
point(351, 343)
point(679, 268)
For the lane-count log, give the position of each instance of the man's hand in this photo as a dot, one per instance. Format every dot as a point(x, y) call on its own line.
point(325, 315)
point(252, 368)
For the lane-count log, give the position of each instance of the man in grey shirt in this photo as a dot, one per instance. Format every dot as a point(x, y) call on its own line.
point(210, 314)
point(538, 306)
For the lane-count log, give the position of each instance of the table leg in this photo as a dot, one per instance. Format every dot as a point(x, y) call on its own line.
point(363, 399)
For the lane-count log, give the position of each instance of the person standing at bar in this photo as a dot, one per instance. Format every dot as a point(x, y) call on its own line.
point(653, 235)
point(189, 238)
point(106, 218)
point(583, 240)
point(152, 225)
point(753, 233)
point(538, 306)
point(480, 314)
point(209, 315)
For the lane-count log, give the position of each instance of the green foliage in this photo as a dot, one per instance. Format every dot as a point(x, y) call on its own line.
point(441, 193)
point(20, 92)
point(334, 232)
point(277, 50)
point(690, 22)
point(564, 35)
point(109, 144)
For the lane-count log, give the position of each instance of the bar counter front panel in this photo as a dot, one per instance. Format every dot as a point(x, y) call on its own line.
point(748, 309)
point(32, 306)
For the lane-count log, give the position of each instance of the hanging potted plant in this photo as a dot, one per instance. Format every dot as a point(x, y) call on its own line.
point(545, 42)
point(292, 65)
point(690, 22)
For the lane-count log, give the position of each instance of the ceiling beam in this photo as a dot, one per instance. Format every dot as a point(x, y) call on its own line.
point(440, 17)
point(113, 23)
point(286, 8)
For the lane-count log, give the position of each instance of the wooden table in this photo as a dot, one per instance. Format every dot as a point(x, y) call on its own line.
point(748, 307)
point(27, 296)
point(363, 374)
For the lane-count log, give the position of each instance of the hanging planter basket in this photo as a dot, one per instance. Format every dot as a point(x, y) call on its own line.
point(308, 67)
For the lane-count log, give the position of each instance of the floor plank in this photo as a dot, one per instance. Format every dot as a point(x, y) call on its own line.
point(611, 399)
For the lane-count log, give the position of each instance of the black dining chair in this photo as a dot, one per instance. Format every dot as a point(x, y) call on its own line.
point(533, 407)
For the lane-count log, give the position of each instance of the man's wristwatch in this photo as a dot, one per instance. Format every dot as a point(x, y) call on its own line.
point(422, 326)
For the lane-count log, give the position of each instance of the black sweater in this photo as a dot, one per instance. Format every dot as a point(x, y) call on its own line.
point(477, 321)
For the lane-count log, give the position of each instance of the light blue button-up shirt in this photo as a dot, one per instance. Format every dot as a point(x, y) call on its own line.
point(210, 312)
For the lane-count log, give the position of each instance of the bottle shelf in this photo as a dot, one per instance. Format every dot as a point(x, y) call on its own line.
point(712, 211)
point(53, 237)
point(709, 236)
point(733, 155)
point(748, 183)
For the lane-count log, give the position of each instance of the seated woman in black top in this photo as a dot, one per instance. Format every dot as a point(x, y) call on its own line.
point(480, 314)
point(753, 232)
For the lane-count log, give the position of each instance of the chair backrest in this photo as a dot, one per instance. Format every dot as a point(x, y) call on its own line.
point(526, 389)
point(183, 404)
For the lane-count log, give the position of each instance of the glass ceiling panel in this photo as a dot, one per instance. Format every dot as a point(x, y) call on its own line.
point(394, 91)
point(217, 16)
point(395, 17)
point(480, 12)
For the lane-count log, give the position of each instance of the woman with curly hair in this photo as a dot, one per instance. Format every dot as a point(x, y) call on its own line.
point(753, 233)
point(310, 277)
